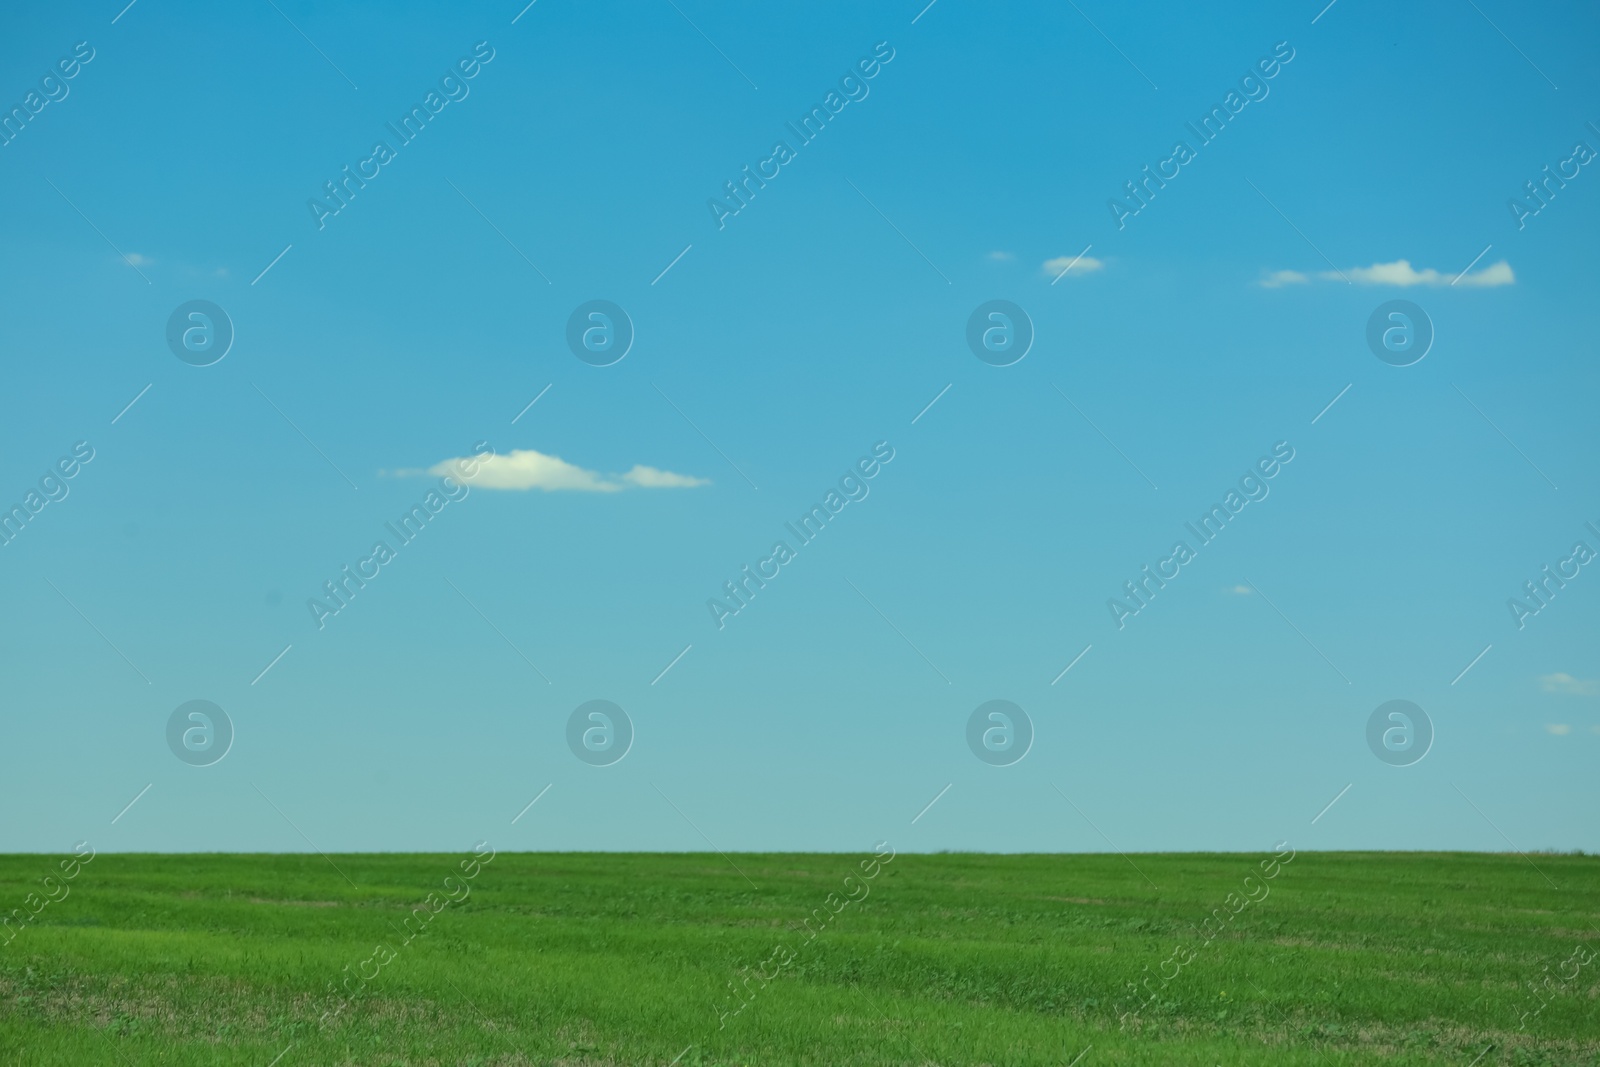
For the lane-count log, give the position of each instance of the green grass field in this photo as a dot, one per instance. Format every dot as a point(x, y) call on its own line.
point(569, 958)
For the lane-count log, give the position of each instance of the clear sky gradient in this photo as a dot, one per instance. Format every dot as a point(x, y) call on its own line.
point(773, 349)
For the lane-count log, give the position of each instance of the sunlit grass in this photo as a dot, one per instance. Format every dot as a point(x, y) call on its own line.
point(950, 959)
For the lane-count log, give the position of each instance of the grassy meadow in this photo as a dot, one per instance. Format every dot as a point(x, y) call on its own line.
point(951, 959)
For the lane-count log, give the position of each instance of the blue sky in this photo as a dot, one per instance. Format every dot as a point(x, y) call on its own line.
point(769, 356)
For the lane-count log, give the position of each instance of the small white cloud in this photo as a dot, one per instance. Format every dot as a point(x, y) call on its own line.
point(1497, 274)
point(1566, 683)
point(1402, 274)
point(527, 469)
point(1279, 278)
point(524, 468)
point(1054, 268)
point(1560, 729)
point(136, 260)
point(651, 478)
point(1241, 590)
point(1001, 257)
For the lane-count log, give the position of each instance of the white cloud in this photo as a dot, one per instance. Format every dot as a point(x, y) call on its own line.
point(1490, 276)
point(1279, 278)
point(1560, 729)
point(136, 260)
point(1001, 257)
point(1402, 274)
point(652, 478)
point(1566, 683)
point(1241, 590)
point(1399, 274)
point(1075, 265)
point(523, 469)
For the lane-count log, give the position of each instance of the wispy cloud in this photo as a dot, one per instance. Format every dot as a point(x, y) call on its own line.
point(1566, 683)
point(1073, 265)
point(1240, 590)
point(652, 478)
point(1560, 729)
point(136, 260)
point(523, 469)
point(1001, 257)
point(1400, 274)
